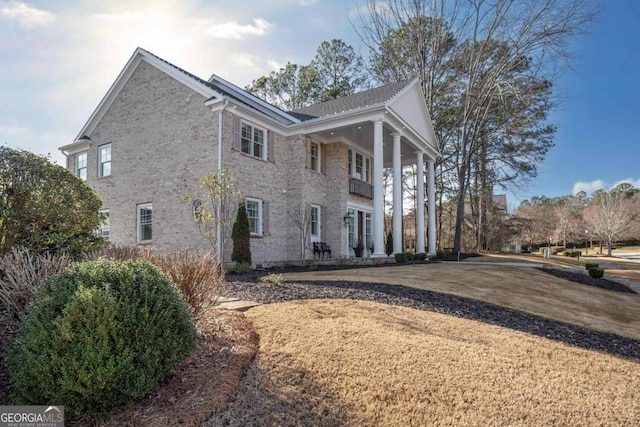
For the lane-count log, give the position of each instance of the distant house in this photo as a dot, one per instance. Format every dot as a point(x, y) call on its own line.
point(159, 129)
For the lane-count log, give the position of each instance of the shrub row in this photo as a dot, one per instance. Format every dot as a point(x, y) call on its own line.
point(573, 254)
point(410, 256)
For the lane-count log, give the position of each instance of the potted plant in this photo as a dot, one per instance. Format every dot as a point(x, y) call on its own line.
point(359, 248)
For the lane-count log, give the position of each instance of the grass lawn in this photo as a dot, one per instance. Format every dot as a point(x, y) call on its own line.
point(345, 362)
point(523, 289)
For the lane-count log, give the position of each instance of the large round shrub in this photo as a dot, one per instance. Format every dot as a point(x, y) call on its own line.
point(100, 334)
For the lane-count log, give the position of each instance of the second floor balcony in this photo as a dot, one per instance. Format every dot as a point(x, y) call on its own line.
point(361, 188)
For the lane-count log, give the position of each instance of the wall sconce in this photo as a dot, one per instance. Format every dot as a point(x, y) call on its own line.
point(347, 218)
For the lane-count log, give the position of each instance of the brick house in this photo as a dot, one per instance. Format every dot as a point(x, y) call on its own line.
point(159, 129)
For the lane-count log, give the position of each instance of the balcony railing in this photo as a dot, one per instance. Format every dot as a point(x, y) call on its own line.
point(361, 188)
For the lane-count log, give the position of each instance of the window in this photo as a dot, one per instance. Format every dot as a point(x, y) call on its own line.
point(254, 213)
point(315, 156)
point(252, 141)
point(315, 223)
point(359, 166)
point(81, 165)
point(145, 223)
point(104, 159)
point(351, 227)
point(104, 226)
point(367, 229)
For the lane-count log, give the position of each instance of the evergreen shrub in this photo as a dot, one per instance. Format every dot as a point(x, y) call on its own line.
point(596, 272)
point(241, 236)
point(98, 335)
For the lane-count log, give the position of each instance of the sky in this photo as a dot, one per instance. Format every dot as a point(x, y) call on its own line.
point(59, 58)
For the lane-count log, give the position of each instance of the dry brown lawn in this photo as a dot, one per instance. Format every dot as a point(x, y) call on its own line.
point(517, 288)
point(345, 362)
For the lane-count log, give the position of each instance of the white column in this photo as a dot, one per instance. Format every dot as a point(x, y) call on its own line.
point(431, 188)
point(378, 191)
point(420, 204)
point(397, 195)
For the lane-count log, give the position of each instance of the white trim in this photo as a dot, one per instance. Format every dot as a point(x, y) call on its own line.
point(318, 236)
point(265, 140)
point(75, 147)
point(260, 214)
point(101, 173)
point(139, 225)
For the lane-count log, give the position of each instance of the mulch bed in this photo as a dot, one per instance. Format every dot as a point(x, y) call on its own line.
point(247, 287)
point(583, 278)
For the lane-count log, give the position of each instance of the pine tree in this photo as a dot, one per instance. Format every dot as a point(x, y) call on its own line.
point(241, 237)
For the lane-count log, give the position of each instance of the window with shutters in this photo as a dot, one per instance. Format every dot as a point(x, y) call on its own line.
point(254, 213)
point(252, 141)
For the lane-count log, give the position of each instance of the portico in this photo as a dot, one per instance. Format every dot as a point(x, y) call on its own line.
point(393, 128)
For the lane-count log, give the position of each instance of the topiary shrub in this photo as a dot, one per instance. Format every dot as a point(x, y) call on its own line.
point(421, 256)
point(596, 272)
point(241, 236)
point(409, 256)
point(388, 248)
point(590, 265)
point(100, 334)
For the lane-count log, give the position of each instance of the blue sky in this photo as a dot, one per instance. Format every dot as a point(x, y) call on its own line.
point(57, 60)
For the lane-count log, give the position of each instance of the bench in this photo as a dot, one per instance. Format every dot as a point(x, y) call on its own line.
point(321, 248)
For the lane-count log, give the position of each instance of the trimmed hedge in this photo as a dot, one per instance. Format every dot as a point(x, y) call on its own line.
point(590, 265)
point(596, 272)
point(98, 335)
point(421, 256)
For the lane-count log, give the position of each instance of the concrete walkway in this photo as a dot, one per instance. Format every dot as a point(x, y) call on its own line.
point(237, 304)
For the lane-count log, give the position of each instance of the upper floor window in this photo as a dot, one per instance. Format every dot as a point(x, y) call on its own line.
point(81, 165)
point(104, 227)
point(104, 160)
point(145, 223)
point(359, 166)
point(254, 213)
point(252, 141)
point(315, 156)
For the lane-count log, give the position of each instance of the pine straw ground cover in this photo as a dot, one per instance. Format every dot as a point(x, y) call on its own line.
point(201, 384)
point(346, 362)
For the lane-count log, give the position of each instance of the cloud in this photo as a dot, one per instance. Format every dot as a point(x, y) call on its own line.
point(233, 30)
point(634, 182)
point(588, 187)
point(26, 16)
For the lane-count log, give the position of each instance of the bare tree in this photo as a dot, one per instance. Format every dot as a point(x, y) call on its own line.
point(608, 217)
point(213, 207)
point(486, 69)
point(301, 218)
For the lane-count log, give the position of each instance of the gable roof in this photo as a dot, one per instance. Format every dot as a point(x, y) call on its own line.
point(376, 96)
point(213, 90)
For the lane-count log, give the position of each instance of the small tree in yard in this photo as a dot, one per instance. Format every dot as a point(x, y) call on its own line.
point(212, 207)
point(609, 216)
point(241, 237)
point(301, 218)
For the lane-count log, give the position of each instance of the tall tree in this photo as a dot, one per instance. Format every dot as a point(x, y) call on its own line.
point(476, 60)
point(339, 70)
point(609, 216)
point(335, 71)
point(288, 88)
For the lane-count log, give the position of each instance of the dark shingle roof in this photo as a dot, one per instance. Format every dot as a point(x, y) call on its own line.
point(351, 102)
